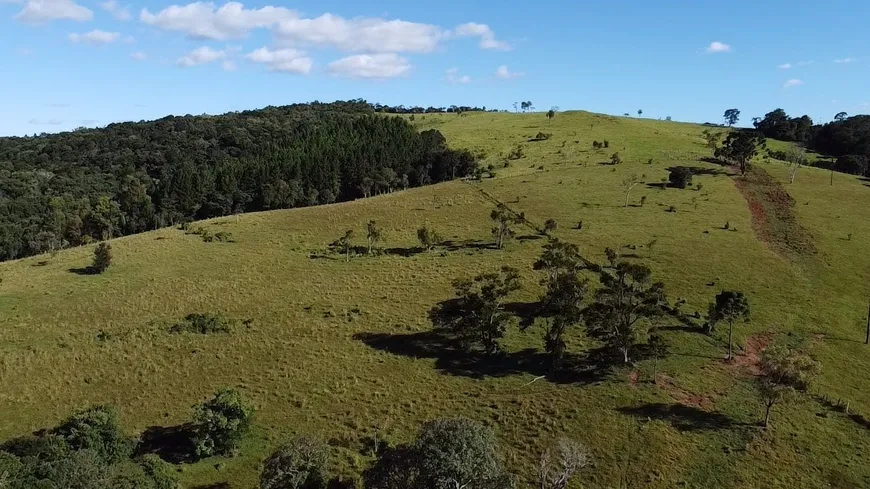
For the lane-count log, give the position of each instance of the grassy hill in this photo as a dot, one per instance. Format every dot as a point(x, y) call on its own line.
point(340, 349)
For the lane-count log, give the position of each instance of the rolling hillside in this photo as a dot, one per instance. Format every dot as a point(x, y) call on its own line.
point(341, 350)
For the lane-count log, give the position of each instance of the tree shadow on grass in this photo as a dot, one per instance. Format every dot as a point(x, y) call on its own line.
point(173, 444)
point(838, 407)
point(680, 416)
point(84, 271)
point(468, 244)
point(700, 170)
point(450, 359)
point(525, 311)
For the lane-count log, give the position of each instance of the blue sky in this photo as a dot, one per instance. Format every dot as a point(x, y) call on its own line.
point(70, 63)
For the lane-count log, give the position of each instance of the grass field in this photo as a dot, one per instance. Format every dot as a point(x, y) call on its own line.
point(338, 349)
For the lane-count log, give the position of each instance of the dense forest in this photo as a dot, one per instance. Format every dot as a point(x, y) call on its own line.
point(846, 138)
point(90, 184)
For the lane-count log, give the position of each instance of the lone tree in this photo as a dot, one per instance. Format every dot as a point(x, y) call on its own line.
point(300, 464)
point(731, 116)
point(447, 453)
point(784, 373)
point(428, 238)
point(841, 116)
point(373, 235)
point(344, 244)
point(625, 303)
point(221, 422)
point(740, 147)
point(796, 158)
point(477, 316)
point(629, 183)
point(551, 114)
point(680, 177)
point(503, 219)
point(560, 462)
point(639, 112)
point(615, 158)
point(550, 225)
point(562, 300)
point(730, 306)
point(102, 258)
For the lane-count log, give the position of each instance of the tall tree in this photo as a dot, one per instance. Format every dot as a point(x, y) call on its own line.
point(639, 112)
point(563, 300)
point(730, 306)
point(784, 373)
point(344, 244)
point(477, 316)
point(841, 116)
point(373, 235)
point(560, 463)
point(731, 116)
point(629, 183)
point(503, 219)
point(740, 147)
point(624, 305)
point(102, 258)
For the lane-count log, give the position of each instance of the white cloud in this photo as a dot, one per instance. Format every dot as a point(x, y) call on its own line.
point(486, 35)
point(228, 66)
point(504, 73)
point(452, 76)
point(785, 66)
point(117, 11)
point(95, 37)
point(284, 60)
point(200, 56)
point(201, 20)
point(45, 122)
point(386, 65)
point(41, 11)
point(844, 61)
point(365, 34)
point(718, 47)
point(139, 56)
point(792, 83)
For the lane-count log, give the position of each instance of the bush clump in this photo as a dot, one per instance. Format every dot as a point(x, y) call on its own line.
point(221, 423)
point(203, 324)
point(680, 177)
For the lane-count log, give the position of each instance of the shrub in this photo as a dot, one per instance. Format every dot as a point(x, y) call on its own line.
point(680, 177)
point(300, 464)
point(615, 159)
point(854, 164)
point(543, 136)
point(202, 324)
point(550, 225)
point(516, 154)
point(221, 422)
point(96, 429)
point(223, 237)
point(160, 472)
point(606, 143)
point(428, 238)
point(102, 258)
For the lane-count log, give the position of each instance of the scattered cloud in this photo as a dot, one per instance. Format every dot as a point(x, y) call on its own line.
point(200, 56)
point(95, 37)
point(228, 66)
point(785, 66)
point(117, 11)
point(792, 83)
point(45, 122)
point(844, 61)
point(385, 65)
point(452, 76)
point(42, 11)
point(286, 60)
point(201, 20)
point(486, 35)
point(139, 56)
point(718, 47)
point(365, 34)
point(505, 74)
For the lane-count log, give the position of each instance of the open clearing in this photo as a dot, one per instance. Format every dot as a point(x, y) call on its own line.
point(340, 350)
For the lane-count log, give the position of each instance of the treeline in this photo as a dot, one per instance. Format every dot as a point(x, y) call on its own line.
point(401, 109)
point(90, 184)
point(846, 138)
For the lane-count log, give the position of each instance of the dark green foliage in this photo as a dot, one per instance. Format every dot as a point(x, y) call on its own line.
point(221, 423)
point(428, 238)
point(778, 125)
point(202, 324)
point(447, 453)
point(680, 177)
point(96, 429)
point(731, 116)
point(77, 187)
point(615, 159)
point(784, 372)
point(477, 316)
point(730, 306)
point(626, 302)
point(739, 148)
point(163, 474)
point(102, 258)
point(344, 244)
point(550, 225)
point(606, 144)
point(562, 300)
point(542, 136)
point(854, 164)
point(849, 136)
point(300, 464)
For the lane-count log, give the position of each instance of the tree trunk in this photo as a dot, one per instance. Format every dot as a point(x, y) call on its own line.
point(624, 354)
point(656, 369)
point(767, 415)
